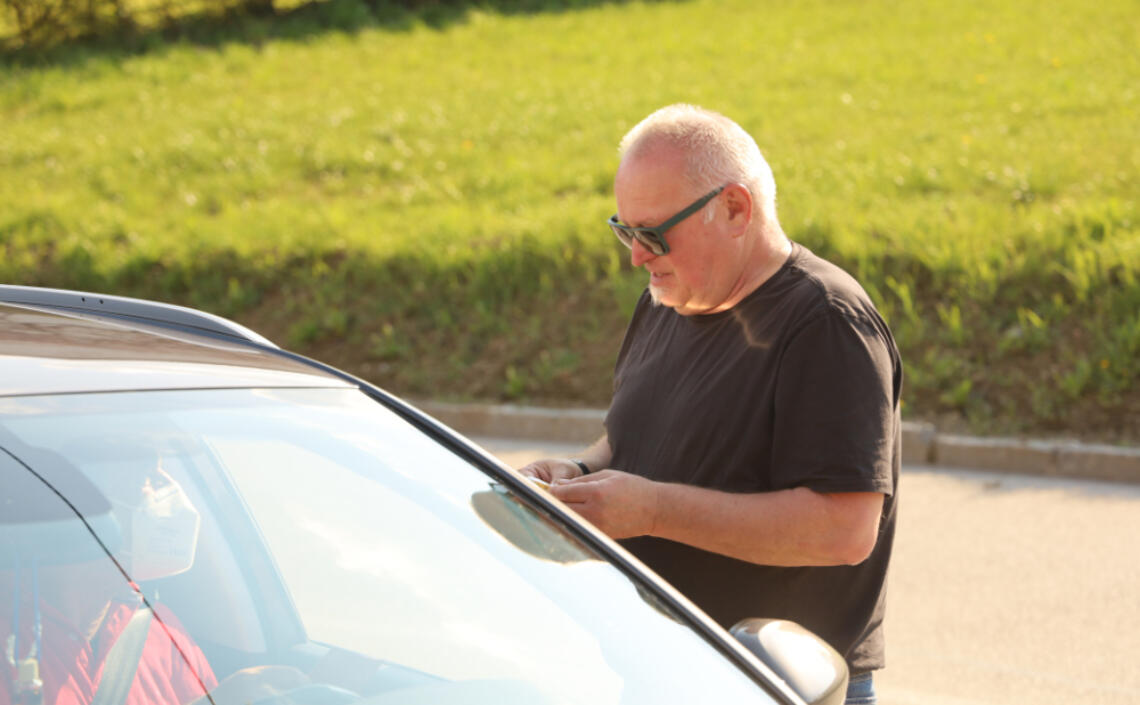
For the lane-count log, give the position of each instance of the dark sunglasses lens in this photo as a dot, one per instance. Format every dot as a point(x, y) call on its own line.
point(622, 234)
point(652, 242)
point(649, 240)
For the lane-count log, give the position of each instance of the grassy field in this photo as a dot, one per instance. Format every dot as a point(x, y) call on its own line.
point(419, 196)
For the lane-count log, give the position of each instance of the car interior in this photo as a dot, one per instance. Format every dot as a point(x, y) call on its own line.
point(53, 514)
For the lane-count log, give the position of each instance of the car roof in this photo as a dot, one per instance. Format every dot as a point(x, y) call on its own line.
point(47, 349)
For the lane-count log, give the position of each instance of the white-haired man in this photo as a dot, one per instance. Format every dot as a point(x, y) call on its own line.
point(751, 452)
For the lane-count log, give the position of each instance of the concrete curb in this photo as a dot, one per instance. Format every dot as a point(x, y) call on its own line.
point(922, 443)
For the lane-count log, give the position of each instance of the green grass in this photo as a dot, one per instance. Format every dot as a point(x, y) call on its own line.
point(419, 196)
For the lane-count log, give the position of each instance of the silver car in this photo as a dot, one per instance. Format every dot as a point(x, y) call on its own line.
point(190, 514)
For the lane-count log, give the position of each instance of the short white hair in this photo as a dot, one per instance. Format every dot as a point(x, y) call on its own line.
point(717, 151)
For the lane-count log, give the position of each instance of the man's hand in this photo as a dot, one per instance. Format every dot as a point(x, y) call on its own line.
point(550, 469)
point(620, 504)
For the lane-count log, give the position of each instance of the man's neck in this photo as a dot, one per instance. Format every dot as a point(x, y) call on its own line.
point(766, 258)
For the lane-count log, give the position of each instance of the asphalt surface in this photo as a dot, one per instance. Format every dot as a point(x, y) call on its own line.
point(1004, 589)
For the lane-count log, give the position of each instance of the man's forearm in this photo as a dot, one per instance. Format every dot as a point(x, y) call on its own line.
point(796, 527)
point(599, 455)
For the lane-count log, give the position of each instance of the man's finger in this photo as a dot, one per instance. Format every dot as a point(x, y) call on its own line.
point(539, 469)
point(579, 489)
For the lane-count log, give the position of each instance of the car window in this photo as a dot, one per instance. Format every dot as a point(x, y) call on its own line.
point(336, 542)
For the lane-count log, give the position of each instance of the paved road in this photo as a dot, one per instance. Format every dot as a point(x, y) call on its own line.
point(1004, 590)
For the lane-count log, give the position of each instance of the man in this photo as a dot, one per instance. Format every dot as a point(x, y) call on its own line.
point(751, 451)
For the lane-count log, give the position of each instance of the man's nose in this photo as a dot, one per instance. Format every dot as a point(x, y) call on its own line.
point(639, 254)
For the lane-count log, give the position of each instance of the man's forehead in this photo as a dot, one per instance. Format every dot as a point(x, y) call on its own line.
point(650, 190)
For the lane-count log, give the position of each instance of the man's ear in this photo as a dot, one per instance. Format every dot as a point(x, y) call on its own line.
point(739, 206)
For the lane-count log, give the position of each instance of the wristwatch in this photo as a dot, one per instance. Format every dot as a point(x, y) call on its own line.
point(582, 466)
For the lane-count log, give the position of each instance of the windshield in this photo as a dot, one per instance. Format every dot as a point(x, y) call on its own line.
point(304, 546)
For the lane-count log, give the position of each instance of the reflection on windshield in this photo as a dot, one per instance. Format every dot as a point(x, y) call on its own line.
point(309, 546)
point(524, 528)
point(76, 624)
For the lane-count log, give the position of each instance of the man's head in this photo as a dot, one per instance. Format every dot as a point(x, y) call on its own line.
point(715, 149)
point(716, 251)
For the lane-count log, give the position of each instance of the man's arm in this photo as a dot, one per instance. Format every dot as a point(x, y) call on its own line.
point(597, 456)
point(796, 527)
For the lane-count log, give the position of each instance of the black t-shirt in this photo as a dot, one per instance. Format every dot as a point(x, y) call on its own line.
point(796, 386)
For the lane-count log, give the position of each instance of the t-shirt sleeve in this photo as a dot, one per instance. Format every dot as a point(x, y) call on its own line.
point(835, 415)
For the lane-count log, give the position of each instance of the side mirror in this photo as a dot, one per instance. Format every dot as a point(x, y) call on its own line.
point(808, 664)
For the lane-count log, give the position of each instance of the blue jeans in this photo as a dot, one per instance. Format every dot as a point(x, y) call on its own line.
point(861, 690)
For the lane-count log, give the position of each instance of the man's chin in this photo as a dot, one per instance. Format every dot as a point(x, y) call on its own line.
point(662, 297)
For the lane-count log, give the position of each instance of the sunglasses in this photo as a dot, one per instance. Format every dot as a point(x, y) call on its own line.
point(653, 239)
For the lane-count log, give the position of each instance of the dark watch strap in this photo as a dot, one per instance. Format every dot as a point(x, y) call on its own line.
point(585, 468)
